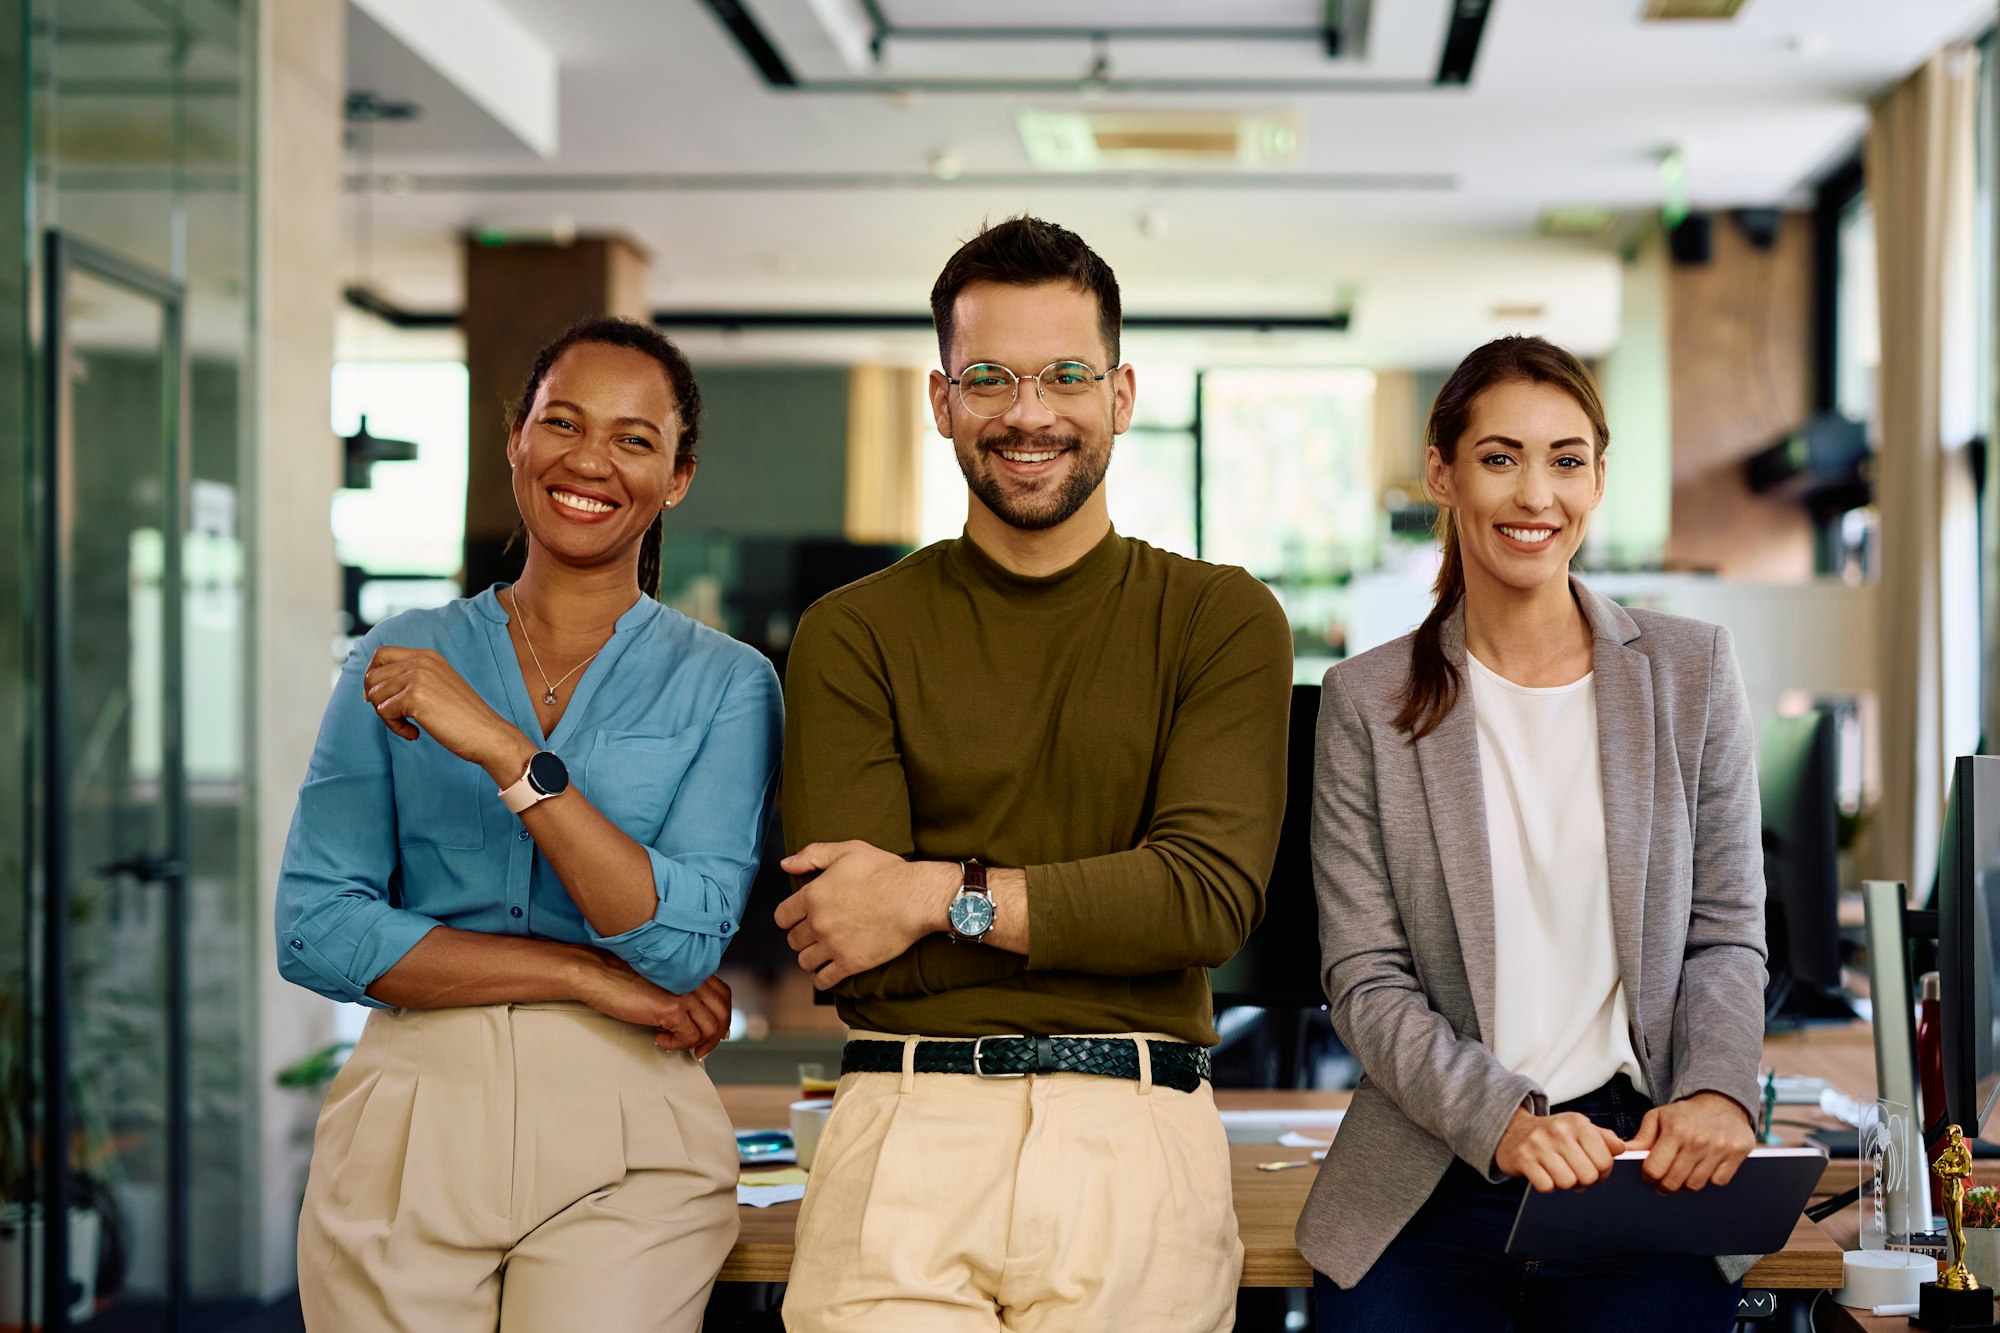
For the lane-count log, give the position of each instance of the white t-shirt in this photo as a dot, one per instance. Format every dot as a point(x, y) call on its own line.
point(1560, 1015)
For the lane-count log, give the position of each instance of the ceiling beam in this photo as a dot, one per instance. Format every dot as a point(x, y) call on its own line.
point(1341, 31)
point(1461, 41)
point(480, 48)
point(373, 303)
point(751, 41)
point(759, 182)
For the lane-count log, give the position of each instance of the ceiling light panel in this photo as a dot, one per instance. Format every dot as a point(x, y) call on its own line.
point(1669, 10)
point(1114, 140)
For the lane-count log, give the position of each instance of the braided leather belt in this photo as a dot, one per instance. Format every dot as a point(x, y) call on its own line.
point(1177, 1065)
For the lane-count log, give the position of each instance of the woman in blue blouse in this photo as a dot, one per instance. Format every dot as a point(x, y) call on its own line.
point(527, 833)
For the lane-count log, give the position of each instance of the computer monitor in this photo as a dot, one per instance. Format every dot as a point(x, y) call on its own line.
point(1798, 774)
point(1885, 911)
point(1279, 965)
point(1969, 941)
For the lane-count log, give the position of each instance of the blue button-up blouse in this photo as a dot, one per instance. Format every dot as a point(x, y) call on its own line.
point(674, 733)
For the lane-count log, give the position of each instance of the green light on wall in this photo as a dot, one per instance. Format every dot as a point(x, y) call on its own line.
point(1673, 188)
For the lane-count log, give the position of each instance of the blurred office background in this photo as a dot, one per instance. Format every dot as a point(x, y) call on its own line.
point(282, 261)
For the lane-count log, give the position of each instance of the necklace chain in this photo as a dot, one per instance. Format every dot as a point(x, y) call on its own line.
point(548, 687)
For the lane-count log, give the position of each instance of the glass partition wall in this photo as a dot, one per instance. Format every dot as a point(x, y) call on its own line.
point(128, 1139)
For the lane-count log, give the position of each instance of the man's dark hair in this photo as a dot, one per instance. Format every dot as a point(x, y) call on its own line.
point(1025, 252)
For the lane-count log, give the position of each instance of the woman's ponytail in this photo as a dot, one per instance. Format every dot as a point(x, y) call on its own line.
point(1434, 681)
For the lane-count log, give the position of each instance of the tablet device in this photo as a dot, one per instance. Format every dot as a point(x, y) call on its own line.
point(1623, 1214)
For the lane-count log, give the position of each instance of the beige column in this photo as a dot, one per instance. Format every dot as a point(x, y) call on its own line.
point(1399, 432)
point(517, 297)
point(293, 469)
point(1920, 181)
point(886, 427)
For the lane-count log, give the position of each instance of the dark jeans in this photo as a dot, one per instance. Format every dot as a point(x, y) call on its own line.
point(1449, 1268)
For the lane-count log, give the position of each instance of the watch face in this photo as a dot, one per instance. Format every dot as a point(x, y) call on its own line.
point(971, 914)
point(548, 774)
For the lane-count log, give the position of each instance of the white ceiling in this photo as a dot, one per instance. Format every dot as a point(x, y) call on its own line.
point(1414, 207)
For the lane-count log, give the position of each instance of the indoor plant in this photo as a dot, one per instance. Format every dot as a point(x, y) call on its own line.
point(92, 1210)
point(1982, 1233)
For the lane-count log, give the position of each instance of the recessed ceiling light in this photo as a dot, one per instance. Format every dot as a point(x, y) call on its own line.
point(1589, 220)
point(1692, 9)
point(1101, 140)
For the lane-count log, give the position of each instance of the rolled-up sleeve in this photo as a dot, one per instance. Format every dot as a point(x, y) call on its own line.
point(338, 929)
point(706, 855)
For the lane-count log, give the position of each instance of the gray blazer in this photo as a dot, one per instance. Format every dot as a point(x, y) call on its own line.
point(1405, 885)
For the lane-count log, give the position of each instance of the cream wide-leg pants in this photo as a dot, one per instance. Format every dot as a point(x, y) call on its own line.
point(529, 1168)
point(1055, 1203)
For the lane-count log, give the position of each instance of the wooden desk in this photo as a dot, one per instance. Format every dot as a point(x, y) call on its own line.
point(1845, 1057)
point(1267, 1205)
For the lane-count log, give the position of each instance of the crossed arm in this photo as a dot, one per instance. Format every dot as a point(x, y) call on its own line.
point(654, 916)
point(868, 916)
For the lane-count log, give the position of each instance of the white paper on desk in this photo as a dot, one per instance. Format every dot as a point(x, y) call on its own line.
point(763, 1196)
point(1262, 1126)
point(1293, 1139)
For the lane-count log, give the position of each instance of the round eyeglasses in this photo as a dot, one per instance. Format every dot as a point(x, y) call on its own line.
point(990, 391)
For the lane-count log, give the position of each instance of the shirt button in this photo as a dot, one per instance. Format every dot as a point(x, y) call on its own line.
point(298, 944)
point(523, 835)
point(514, 911)
point(726, 927)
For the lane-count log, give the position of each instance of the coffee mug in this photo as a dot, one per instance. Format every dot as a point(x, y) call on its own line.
point(808, 1118)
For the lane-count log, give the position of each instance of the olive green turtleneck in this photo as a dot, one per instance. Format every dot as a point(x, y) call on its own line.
point(1116, 729)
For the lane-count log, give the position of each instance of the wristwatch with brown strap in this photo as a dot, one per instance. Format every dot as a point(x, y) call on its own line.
point(970, 915)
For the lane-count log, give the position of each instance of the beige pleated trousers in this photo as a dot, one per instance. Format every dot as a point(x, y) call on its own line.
point(1056, 1203)
point(530, 1168)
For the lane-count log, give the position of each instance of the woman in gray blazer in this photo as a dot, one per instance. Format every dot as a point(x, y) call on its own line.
point(1536, 851)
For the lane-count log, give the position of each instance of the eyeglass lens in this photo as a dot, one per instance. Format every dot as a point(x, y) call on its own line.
point(989, 390)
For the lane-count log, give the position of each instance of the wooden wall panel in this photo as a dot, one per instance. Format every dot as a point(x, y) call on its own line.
point(1740, 354)
point(517, 298)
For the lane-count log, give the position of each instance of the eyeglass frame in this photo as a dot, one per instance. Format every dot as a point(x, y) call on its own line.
point(1041, 390)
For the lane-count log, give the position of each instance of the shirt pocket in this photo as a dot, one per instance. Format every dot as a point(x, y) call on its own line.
point(439, 797)
point(632, 777)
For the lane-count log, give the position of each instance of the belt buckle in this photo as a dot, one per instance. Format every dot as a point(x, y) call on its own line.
point(978, 1046)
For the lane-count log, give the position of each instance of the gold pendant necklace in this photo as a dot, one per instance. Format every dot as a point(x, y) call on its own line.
point(548, 686)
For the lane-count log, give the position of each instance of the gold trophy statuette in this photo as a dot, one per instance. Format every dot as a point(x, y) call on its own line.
point(1955, 1303)
point(1953, 1166)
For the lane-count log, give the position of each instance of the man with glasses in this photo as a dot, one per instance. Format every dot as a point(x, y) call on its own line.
point(1033, 780)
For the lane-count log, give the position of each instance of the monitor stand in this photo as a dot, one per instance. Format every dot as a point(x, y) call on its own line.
point(1790, 1003)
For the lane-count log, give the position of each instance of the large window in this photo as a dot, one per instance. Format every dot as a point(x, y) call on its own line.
point(1288, 484)
point(1153, 486)
point(1857, 328)
point(411, 520)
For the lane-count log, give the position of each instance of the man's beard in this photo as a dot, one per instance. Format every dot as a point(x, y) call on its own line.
point(1039, 510)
